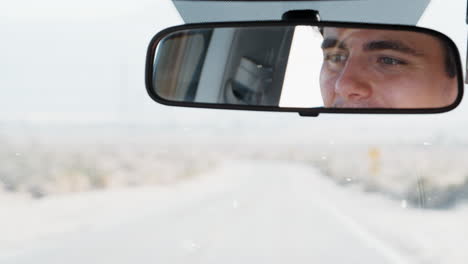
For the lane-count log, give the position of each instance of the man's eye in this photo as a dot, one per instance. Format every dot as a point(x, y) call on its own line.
point(335, 58)
point(390, 61)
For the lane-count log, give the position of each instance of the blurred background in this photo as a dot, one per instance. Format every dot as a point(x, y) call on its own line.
point(79, 134)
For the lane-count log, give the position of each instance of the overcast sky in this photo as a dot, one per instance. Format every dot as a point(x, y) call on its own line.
point(81, 61)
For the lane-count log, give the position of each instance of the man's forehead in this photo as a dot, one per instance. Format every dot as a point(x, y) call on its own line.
point(363, 34)
point(349, 37)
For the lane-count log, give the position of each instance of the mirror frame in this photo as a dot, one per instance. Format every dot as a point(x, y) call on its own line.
point(302, 111)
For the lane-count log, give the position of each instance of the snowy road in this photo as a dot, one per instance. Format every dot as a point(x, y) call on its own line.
point(240, 212)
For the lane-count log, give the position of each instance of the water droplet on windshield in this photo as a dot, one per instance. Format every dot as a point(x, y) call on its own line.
point(349, 179)
point(190, 246)
point(404, 204)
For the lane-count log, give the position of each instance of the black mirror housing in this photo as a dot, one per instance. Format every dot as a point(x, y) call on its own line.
point(359, 68)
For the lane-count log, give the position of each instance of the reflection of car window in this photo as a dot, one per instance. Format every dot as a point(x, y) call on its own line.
point(180, 68)
point(89, 164)
point(304, 63)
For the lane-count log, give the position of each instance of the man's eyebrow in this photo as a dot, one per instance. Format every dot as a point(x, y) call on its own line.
point(331, 43)
point(394, 45)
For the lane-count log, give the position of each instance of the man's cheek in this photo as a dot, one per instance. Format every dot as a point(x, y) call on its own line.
point(328, 91)
point(403, 92)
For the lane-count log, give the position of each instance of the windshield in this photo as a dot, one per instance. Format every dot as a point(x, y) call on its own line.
point(93, 171)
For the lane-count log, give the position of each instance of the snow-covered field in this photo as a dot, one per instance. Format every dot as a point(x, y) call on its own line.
point(160, 197)
point(250, 211)
point(432, 174)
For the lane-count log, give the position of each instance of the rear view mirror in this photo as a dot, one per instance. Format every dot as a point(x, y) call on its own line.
point(310, 68)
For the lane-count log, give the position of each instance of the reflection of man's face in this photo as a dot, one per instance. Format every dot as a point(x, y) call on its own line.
point(384, 69)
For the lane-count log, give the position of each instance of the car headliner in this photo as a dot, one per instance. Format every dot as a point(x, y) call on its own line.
point(373, 11)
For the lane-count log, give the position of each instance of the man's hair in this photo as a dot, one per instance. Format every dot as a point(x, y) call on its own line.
point(450, 65)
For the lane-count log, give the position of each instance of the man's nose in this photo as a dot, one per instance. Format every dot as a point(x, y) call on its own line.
point(353, 83)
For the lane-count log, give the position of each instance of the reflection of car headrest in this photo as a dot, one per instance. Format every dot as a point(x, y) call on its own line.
point(237, 94)
point(249, 82)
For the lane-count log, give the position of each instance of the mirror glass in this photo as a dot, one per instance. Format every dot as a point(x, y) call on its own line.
point(306, 67)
